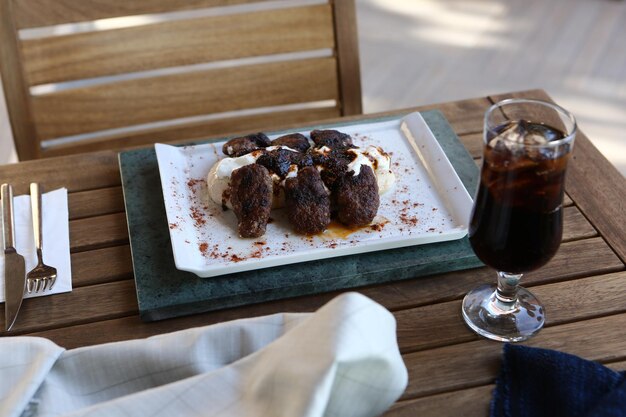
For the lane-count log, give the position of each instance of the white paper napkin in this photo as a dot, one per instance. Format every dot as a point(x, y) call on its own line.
point(342, 360)
point(56, 239)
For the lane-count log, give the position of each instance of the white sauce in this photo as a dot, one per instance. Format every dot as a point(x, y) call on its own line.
point(359, 160)
point(219, 175)
point(382, 168)
point(384, 176)
point(293, 171)
point(226, 166)
point(324, 150)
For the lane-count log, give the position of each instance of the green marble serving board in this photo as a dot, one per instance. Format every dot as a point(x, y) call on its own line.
point(164, 292)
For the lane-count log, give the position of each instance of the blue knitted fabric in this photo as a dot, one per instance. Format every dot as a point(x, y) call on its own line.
point(537, 382)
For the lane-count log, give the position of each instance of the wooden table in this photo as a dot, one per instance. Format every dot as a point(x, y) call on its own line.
point(451, 369)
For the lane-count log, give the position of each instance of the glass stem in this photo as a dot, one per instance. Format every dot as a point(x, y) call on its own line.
point(506, 293)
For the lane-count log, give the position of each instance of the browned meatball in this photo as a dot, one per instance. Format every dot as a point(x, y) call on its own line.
point(295, 141)
point(308, 202)
point(245, 144)
point(331, 138)
point(335, 165)
point(357, 198)
point(278, 161)
point(251, 195)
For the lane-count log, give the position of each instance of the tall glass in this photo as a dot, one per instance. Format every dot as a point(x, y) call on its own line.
point(517, 220)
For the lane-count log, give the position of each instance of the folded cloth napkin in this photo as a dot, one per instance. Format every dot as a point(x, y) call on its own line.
point(342, 360)
point(539, 382)
point(56, 239)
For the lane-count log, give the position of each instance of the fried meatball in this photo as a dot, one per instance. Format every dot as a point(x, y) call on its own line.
point(295, 141)
point(245, 144)
point(331, 138)
point(251, 195)
point(334, 165)
point(307, 202)
point(357, 197)
point(278, 161)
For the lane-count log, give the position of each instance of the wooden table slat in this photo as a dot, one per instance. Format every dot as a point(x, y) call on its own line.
point(617, 366)
point(82, 305)
point(474, 144)
point(567, 200)
point(467, 402)
point(575, 259)
point(564, 301)
point(98, 232)
point(84, 204)
point(101, 266)
point(76, 173)
point(476, 363)
point(575, 225)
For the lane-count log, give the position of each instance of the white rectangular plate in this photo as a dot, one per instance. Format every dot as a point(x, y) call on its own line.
point(427, 204)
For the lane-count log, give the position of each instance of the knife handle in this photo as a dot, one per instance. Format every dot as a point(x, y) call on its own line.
point(6, 192)
point(35, 204)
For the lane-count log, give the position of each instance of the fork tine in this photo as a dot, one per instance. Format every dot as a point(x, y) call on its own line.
point(52, 281)
point(44, 284)
point(29, 285)
point(37, 284)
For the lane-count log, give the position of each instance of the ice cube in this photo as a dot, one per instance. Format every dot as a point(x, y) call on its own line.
point(534, 138)
point(522, 132)
point(548, 133)
point(511, 134)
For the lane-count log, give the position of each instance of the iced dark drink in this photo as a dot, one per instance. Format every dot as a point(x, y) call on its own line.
point(517, 221)
point(518, 218)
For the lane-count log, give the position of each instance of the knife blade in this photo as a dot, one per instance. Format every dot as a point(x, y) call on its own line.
point(14, 266)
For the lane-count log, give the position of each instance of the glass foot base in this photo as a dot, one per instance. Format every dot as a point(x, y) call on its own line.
point(505, 322)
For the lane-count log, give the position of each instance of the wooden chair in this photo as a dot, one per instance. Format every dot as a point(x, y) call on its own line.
point(249, 63)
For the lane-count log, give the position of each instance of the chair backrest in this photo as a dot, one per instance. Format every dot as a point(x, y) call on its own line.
point(136, 72)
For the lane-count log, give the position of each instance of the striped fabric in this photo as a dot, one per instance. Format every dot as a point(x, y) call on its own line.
point(342, 360)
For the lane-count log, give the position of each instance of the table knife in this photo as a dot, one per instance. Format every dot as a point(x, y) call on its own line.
point(14, 266)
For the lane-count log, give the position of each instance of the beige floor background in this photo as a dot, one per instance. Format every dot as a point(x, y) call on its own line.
point(427, 51)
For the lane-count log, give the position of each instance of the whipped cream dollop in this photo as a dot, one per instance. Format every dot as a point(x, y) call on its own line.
point(372, 156)
point(375, 158)
point(219, 176)
point(380, 162)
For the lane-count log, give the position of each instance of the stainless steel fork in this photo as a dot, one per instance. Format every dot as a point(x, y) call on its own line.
point(42, 277)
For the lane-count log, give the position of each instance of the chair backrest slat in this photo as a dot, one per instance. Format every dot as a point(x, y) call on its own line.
point(177, 43)
point(131, 102)
point(41, 13)
point(199, 130)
